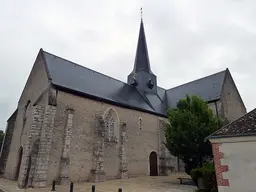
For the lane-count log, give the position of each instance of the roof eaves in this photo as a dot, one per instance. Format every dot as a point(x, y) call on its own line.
point(13, 114)
point(146, 100)
point(229, 136)
point(105, 100)
point(222, 86)
point(45, 64)
point(219, 136)
point(213, 100)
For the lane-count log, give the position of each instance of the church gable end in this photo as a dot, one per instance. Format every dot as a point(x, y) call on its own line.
point(37, 81)
point(232, 103)
point(36, 85)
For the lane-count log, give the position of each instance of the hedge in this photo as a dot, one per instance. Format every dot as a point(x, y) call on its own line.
point(207, 173)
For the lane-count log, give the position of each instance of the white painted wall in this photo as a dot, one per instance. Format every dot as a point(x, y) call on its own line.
point(240, 156)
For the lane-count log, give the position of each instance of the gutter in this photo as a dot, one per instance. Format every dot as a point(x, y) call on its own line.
point(106, 100)
point(228, 136)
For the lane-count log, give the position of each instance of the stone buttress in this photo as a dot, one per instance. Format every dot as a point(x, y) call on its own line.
point(35, 159)
point(97, 172)
point(64, 162)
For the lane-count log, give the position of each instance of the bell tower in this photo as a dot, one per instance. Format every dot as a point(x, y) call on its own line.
point(142, 77)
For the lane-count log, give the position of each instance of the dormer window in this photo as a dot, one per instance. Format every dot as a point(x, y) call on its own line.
point(150, 84)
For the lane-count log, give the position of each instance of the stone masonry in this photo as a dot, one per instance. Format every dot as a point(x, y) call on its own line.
point(64, 164)
point(40, 179)
point(162, 149)
point(97, 171)
point(34, 165)
point(5, 148)
point(123, 151)
point(33, 135)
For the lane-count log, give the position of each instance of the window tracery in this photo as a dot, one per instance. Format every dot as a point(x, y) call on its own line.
point(111, 125)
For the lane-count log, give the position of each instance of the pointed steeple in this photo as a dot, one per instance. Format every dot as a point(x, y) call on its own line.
point(142, 59)
point(142, 77)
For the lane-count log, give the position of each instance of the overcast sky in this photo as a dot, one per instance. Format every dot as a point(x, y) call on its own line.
point(187, 39)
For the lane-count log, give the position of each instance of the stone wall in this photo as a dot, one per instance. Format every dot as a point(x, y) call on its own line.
point(5, 148)
point(35, 158)
point(232, 104)
point(45, 144)
point(90, 153)
point(33, 136)
point(36, 84)
point(64, 162)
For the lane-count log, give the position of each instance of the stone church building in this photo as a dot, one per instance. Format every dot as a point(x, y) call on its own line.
point(75, 124)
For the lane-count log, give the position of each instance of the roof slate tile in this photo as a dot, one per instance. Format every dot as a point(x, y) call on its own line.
point(245, 125)
point(70, 76)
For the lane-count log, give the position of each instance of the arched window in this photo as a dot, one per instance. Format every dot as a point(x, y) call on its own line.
point(111, 123)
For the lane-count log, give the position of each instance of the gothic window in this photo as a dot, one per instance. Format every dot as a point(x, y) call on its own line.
point(111, 123)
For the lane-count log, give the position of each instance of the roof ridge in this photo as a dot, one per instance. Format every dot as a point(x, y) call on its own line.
point(146, 99)
point(103, 75)
point(90, 69)
point(198, 79)
point(84, 67)
point(212, 135)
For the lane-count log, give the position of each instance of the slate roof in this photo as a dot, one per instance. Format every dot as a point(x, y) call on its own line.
point(75, 78)
point(138, 94)
point(142, 59)
point(209, 88)
point(244, 126)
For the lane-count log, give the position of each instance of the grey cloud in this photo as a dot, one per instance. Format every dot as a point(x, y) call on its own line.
point(187, 39)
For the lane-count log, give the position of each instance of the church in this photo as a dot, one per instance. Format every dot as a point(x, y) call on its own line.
point(76, 124)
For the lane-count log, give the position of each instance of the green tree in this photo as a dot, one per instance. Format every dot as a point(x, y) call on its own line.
point(187, 127)
point(1, 138)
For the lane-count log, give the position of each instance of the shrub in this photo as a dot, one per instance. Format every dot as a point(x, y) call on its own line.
point(207, 173)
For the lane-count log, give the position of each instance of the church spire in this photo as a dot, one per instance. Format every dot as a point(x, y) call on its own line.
point(142, 77)
point(142, 59)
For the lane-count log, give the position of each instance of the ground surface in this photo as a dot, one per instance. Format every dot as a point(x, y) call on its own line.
point(139, 184)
